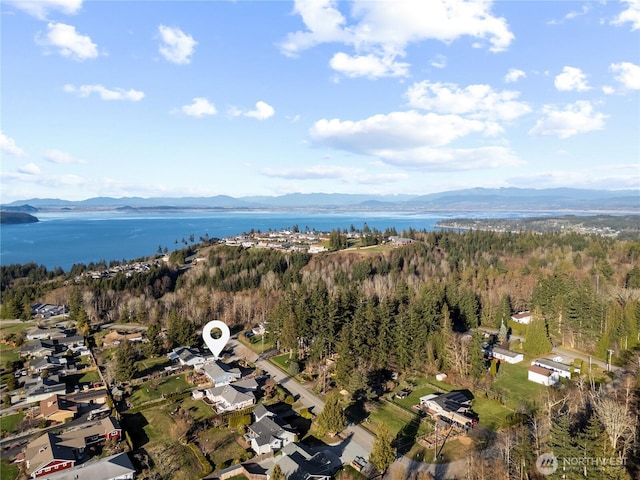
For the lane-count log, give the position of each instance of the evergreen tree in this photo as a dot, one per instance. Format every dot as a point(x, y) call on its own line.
point(476, 356)
point(125, 361)
point(331, 420)
point(536, 338)
point(382, 452)
point(154, 347)
point(502, 333)
point(563, 445)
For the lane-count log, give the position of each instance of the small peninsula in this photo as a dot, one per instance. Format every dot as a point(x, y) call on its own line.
point(9, 218)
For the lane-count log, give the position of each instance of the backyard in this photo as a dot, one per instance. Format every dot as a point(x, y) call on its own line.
point(154, 389)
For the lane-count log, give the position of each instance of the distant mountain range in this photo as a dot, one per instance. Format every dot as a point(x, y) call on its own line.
point(555, 199)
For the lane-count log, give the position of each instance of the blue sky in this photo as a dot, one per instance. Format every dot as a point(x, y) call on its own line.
point(179, 98)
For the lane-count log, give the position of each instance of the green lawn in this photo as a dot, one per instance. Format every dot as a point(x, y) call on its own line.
point(9, 328)
point(146, 391)
point(8, 354)
point(9, 423)
point(91, 376)
point(282, 361)
point(150, 365)
point(199, 410)
point(414, 396)
point(221, 445)
point(393, 416)
point(255, 343)
point(8, 471)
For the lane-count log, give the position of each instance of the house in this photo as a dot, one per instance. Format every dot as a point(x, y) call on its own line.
point(522, 317)
point(43, 456)
point(317, 248)
point(51, 453)
point(37, 333)
point(228, 398)
point(503, 354)
point(220, 373)
point(39, 348)
point(187, 357)
point(452, 406)
point(38, 388)
point(562, 369)
point(299, 464)
point(399, 241)
point(543, 376)
point(115, 467)
point(89, 398)
point(47, 310)
point(48, 363)
point(113, 339)
point(58, 409)
point(269, 435)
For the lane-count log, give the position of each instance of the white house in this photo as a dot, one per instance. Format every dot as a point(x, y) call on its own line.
point(229, 398)
point(503, 354)
point(543, 376)
point(452, 406)
point(522, 317)
point(268, 435)
point(562, 369)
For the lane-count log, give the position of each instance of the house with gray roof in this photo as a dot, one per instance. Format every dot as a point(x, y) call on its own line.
point(228, 398)
point(220, 373)
point(299, 464)
point(269, 434)
point(115, 467)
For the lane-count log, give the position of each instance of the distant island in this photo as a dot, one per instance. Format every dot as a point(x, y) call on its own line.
point(16, 217)
point(620, 226)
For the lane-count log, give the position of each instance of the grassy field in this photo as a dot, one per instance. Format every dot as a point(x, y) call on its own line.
point(199, 410)
point(9, 423)
point(255, 343)
point(146, 392)
point(8, 353)
point(282, 361)
point(152, 429)
point(150, 365)
point(8, 471)
point(221, 445)
point(394, 417)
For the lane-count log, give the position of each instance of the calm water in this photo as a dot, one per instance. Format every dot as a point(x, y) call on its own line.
point(64, 239)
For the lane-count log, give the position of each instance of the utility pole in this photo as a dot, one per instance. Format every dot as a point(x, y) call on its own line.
point(609, 353)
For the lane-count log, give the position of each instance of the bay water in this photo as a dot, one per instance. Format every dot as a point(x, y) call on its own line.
point(62, 239)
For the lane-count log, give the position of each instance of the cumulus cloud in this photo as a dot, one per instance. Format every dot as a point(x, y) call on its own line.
point(262, 111)
point(29, 169)
point(370, 65)
point(8, 146)
point(475, 101)
point(200, 107)
point(631, 14)
point(575, 118)
point(384, 30)
point(628, 74)
point(83, 91)
point(571, 78)
point(451, 158)
point(57, 156)
point(513, 75)
point(177, 46)
point(41, 8)
point(68, 42)
point(394, 130)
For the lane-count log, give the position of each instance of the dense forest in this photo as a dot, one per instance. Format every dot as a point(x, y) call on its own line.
point(380, 309)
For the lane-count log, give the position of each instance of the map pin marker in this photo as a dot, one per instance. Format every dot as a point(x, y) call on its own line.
point(216, 345)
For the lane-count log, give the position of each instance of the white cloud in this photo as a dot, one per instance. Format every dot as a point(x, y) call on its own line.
point(84, 91)
point(262, 112)
point(608, 90)
point(398, 130)
point(41, 8)
point(29, 169)
point(578, 117)
point(68, 42)
point(513, 75)
point(628, 74)
point(571, 78)
point(370, 65)
point(332, 172)
point(8, 146)
point(451, 158)
point(586, 8)
point(630, 15)
point(476, 101)
point(177, 46)
point(57, 156)
point(609, 177)
point(439, 61)
point(384, 29)
point(201, 107)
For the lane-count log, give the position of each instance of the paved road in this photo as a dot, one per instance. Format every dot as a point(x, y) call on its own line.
point(358, 441)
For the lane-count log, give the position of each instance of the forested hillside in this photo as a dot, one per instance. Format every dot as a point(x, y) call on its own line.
point(586, 288)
